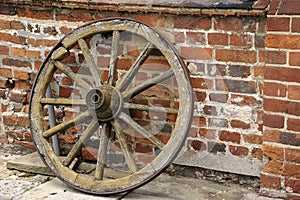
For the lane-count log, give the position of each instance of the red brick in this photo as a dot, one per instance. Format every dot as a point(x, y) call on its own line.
point(18, 97)
point(293, 124)
point(28, 145)
point(16, 134)
point(282, 74)
point(253, 139)
point(278, 23)
point(65, 30)
point(23, 85)
point(241, 40)
point(281, 41)
point(239, 124)
point(293, 108)
point(10, 119)
point(275, 105)
point(228, 55)
point(209, 134)
point(33, 54)
point(201, 83)
point(273, 152)
point(274, 5)
point(272, 136)
point(5, 37)
point(89, 153)
point(274, 167)
point(195, 37)
point(239, 99)
point(289, 7)
point(22, 75)
point(16, 63)
point(238, 150)
point(292, 170)
point(196, 53)
point(152, 20)
point(235, 24)
point(234, 137)
point(31, 12)
point(273, 57)
point(296, 25)
point(294, 184)
point(196, 145)
point(292, 155)
point(4, 50)
point(218, 39)
point(192, 22)
point(269, 181)
point(294, 58)
point(257, 153)
point(23, 121)
point(17, 25)
point(73, 15)
point(19, 52)
point(5, 72)
point(274, 89)
point(274, 121)
point(200, 96)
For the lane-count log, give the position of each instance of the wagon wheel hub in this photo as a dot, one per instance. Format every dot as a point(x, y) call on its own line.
point(104, 103)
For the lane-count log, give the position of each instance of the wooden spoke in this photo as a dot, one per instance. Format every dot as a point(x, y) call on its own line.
point(67, 70)
point(150, 108)
point(83, 139)
point(141, 130)
point(90, 60)
point(147, 84)
point(121, 138)
point(65, 125)
point(62, 101)
point(102, 151)
point(112, 74)
point(135, 67)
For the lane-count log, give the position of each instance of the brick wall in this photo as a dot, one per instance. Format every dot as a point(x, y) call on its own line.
point(244, 71)
point(281, 172)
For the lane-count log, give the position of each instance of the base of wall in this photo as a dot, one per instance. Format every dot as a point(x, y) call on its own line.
point(224, 162)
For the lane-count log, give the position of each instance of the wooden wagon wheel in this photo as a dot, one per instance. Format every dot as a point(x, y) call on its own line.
point(121, 98)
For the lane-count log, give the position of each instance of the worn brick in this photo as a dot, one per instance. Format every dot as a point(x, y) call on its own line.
point(292, 170)
point(19, 52)
point(242, 71)
point(196, 145)
point(274, 89)
point(292, 155)
point(235, 24)
point(230, 55)
point(210, 110)
point(10, 119)
point(6, 72)
point(73, 15)
point(207, 133)
point(291, 139)
point(18, 97)
point(253, 139)
point(294, 58)
point(241, 40)
point(4, 50)
point(218, 39)
point(36, 13)
point(273, 57)
point(201, 83)
point(23, 85)
point(274, 121)
point(195, 37)
point(274, 167)
point(278, 23)
point(16, 63)
point(222, 98)
point(17, 25)
point(296, 24)
point(294, 184)
point(269, 181)
point(271, 136)
point(257, 153)
point(237, 86)
point(27, 145)
point(196, 53)
point(239, 124)
point(200, 96)
point(281, 41)
point(192, 22)
point(238, 150)
point(228, 136)
point(273, 152)
point(240, 99)
point(215, 147)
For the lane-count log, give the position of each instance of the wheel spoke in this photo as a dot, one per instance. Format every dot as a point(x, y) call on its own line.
point(67, 70)
point(150, 108)
point(121, 138)
point(83, 139)
point(135, 67)
point(90, 60)
point(62, 101)
point(102, 151)
point(112, 75)
point(141, 130)
point(65, 125)
point(148, 83)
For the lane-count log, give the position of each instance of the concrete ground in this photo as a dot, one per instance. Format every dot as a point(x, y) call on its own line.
point(20, 185)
